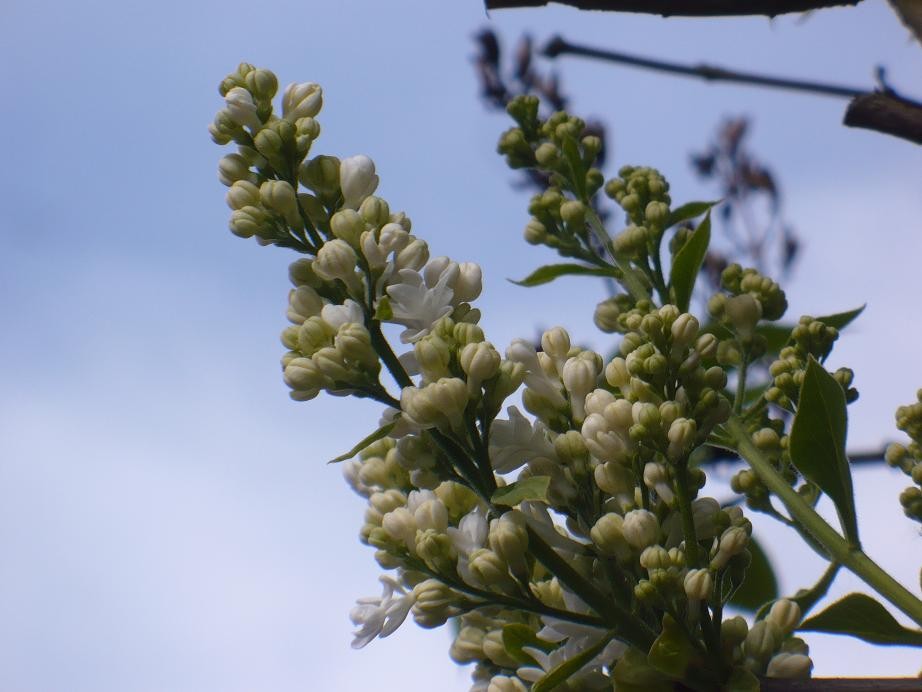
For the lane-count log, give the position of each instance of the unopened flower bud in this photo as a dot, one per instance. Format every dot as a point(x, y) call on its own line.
point(509, 539)
point(608, 536)
point(785, 614)
point(242, 193)
point(375, 211)
point(279, 196)
point(641, 528)
point(789, 666)
point(468, 645)
point(684, 330)
point(744, 312)
point(505, 683)
point(321, 174)
point(762, 641)
point(613, 478)
point(573, 212)
point(232, 168)
point(335, 260)
point(698, 584)
point(357, 179)
point(242, 108)
point(433, 603)
point(681, 436)
point(480, 361)
point(347, 225)
point(302, 100)
point(250, 221)
point(413, 256)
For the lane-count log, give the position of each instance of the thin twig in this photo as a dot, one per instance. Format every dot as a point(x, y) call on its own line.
point(684, 8)
point(558, 46)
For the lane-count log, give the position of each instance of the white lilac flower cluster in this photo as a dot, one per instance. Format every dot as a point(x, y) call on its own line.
point(567, 538)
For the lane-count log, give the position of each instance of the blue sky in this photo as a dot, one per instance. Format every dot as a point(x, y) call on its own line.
point(166, 519)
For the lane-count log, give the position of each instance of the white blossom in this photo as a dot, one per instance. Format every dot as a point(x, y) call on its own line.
point(336, 316)
point(380, 617)
point(417, 306)
point(513, 442)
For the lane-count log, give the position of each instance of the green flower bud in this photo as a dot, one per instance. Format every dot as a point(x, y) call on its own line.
point(733, 631)
point(608, 536)
point(321, 174)
point(375, 211)
point(699, 584)
point(262, 84)
point(347, 225)
point(762, 641)
point(336, 260)
point(785, 614)
point(547, 155)
point(573, 213)
point(641, 528)
point(535, 232)
point(232, 168)
point(744, 312)
point(242, 193)
point(467, 646)
point(655, 557)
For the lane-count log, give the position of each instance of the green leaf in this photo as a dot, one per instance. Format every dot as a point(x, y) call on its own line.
point(383, 311)
point(632, 673)
point(840, 320)
point(516, 636)
point(688, 211)
point(532, 488)
point(378, 434)
point(671, 654)
point(777, 336)
point(561, 673)
point(818, 442)
point(861, 616)
point(759, 585)
point(549, 272)
point(687, 264)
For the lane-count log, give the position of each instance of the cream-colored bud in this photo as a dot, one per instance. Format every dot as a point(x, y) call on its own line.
point(302, 100)
point(762, 641)
point(330, 362)
point(698, 584)
point(573, 212)
point(608, 536)
point(684, 330)
point(556, 343)
point(734, 540)
point(417, 404)
point(249, 222)
point(303, 302)
point(613, 478)
point(495, 650)
point(480, 361)
point(509, 539)
point(733, 631)
point(433, 603)
point(706, 346)
point(655, 557)
point(302, 374)
point(357, 180)
point(504, 683)
point(336, 260)
point(785, 614)
point(347, 225)
point(232, 168)
point(314, 335)
point(681, 437)
point(467, 646)
point(320, 174)
point(489, 570)
point(789, 666)
point(433, 356)
point(242, 108)
point(375, 211)
point(279, 196)
point(744, 312)
point(641, 528)
point(413, 256)
point(616, 373)
point(431, 514)
point(597, 400)
point(579, 378)
point(242, 193)
point(354, 342)
point(469, 283)
point(401, 527)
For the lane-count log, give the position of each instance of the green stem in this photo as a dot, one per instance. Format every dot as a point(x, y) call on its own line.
point(852, 558)
point(683, 496)
point(630, 628)
point(631, 278)
point(741, 384)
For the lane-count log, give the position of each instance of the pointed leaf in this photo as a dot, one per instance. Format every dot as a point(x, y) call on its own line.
point(570, 667)
point(688, 211)
point(687, 264)
point(549, 272)
point(840, 320)
point(632, 673)
point(516, 636)
point(384, 311)
point(759, 585)
point(671, 653)
point(778, 335)
point(861, 616)
point(532, 488)
point(378, 434)
point(818, 442)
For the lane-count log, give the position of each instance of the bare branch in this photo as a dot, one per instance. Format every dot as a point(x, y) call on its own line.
point(887, 113)
point(559, 46)
point(684, 8)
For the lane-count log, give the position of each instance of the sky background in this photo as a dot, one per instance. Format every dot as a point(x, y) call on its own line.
point(167, 522)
